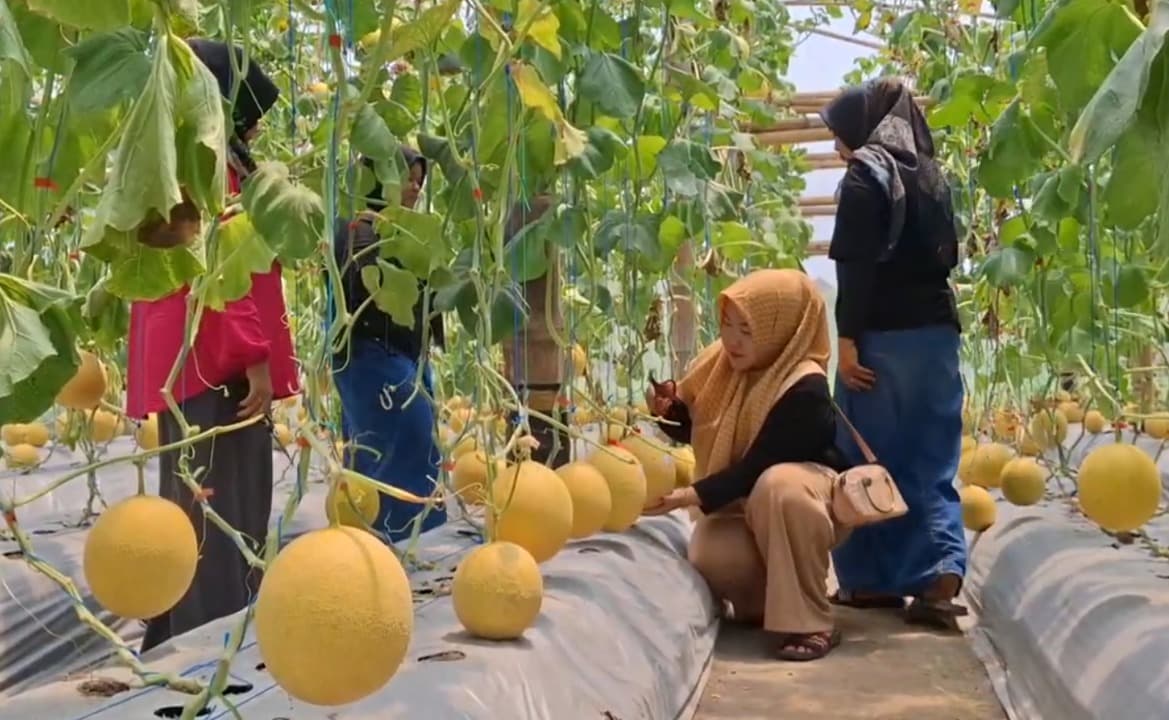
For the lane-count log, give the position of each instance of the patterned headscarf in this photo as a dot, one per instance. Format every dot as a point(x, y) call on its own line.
point(789, 327)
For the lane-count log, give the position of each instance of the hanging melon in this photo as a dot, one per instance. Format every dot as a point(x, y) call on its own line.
point(591, 500)
point(469, 477)
point(147, 433)
point(497, 591)
point(978, 508)
point(334, 616)
point(22, 457)
point(658, 464)
point(683, 465)
point(987, 462)
point(85, 389)
point(1023, 481)
point(627, 485)
point(534, 509)
point(1095, 422)
point(1048, 428)
point(1119, 487)
point(352, 502)
point(140, 557)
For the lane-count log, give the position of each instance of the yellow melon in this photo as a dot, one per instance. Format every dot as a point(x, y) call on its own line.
point(459, 419)
point(102, 426)
point(1023, 481)
point(1095, 422)
point(1048, 428)
point(965, 463)
point(283, 435)
point(658, 464)
point(580, 361)
point(978, 508)
point(140, 557)
point(85, 389)
point(469, 478)
point(1157, 426)
point(683, 466)
point(13, 434)
point(1004, 425)
point(591, 500)
point(352, 502)
point(147, 434)
point(627, 485)
point(1072, 411)
point(534, 509)
point(968, 443)
point(497, 591)
point(334, 616)
point(1119, 487)
point(22, 456)
point(36, 434)
point(1028, 445)
point(987, 462)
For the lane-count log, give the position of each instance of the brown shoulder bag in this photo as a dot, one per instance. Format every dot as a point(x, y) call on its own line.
point(865, 494)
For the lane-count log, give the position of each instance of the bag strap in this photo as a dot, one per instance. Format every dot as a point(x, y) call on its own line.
point(867, 451)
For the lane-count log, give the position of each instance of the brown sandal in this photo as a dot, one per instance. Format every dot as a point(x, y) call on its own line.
point(803, 647)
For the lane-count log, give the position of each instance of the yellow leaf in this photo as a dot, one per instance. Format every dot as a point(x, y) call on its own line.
point(534, 93)
point(570, 142)
point(544, 29)
point(971, 6)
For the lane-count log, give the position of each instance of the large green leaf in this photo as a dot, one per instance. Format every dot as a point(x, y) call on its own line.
point(1007, 267)
point(973, 96)
point(240, 253)
point(290, 217)
point(613, 84)
point(1114, 105)
point(108, 68)
point(12, 48)
point(202, 126)
point(687, 167)
point(394, 291)
point(1083, 38)
point(1013, 154)
point(86, 14)
point(37, 342)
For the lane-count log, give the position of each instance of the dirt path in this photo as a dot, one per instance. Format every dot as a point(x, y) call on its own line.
point(884, 670)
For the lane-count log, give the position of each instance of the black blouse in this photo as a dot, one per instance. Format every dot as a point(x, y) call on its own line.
point(909, 290)
point(801, 427)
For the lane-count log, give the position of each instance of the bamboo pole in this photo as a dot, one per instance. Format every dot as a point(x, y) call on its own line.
point(846, 38)
point(879, 6)
point(773, 138)
point(816, 200)
point(683, 316)
point(818, 210)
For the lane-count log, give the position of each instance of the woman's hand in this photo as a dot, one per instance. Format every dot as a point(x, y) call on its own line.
point(855, 376)
point(660, 396)
point(676, 500)
point(259, 399)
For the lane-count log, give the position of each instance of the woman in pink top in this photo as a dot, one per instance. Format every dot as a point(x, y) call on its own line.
point(241, 360)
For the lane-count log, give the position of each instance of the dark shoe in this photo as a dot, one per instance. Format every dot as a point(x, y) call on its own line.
point(863, 601)
point(937, 614)
point(803, 647)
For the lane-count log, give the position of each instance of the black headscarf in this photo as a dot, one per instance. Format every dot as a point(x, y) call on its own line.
point(888, 135)
point(257, 93)
point(376, 198)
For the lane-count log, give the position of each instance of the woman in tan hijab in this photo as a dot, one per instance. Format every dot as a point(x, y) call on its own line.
point(756, 408)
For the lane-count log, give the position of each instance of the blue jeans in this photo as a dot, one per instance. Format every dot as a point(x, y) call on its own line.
point(392, 433)
point(912, 419)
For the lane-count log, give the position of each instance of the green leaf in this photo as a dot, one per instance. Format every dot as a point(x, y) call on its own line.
point(1125, 285)
point(421, 32)
point(1138, 167)
point(240, 253)
point(974, 96)
point(394, 291)
point(199, 148)
point(644, 162)
point(37, 343)
point(404, 105)
point(371, 137)
point(733, 239)
point(108, 69)
point(672, 232)
point(526, 254)
point(568, 226)
point(290, 217)
point(12, 48)
point(85, 14)
point(1083, 38)
point(106, 316)
point(1114, 105)
point(1014, 153)
point(1007, 267)
point(603, 150)
point(415, 240)
point(687, 167)
point(613, 84)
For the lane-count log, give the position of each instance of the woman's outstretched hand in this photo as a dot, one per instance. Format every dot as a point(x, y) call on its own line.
point(660, 396)
point(676, 500)
point(855, 376)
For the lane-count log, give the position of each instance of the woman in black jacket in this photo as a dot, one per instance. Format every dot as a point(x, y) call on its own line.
point(898, 376)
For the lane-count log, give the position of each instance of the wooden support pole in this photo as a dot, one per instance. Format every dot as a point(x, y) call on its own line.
point(816, 200)
point(774, 138)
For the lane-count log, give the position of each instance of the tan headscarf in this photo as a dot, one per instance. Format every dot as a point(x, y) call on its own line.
point(789, 328)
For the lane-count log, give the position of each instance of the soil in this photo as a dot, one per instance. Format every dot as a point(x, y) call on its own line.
point(883, 670)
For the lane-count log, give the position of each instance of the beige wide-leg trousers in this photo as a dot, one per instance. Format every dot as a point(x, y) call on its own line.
point(769, 555)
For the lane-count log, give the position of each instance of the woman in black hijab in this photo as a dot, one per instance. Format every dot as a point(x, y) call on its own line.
point(241, 360)
point(390, 426)
point(898, 377)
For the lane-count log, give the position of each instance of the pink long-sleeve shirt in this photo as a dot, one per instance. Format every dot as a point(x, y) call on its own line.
point(245, 333)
